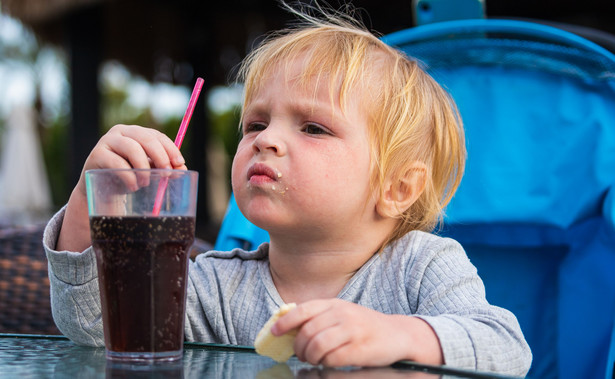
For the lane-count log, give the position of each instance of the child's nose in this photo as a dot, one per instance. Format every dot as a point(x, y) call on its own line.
point(269, 140)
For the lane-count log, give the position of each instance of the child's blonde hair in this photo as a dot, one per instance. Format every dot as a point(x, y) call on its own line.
point(411, 118)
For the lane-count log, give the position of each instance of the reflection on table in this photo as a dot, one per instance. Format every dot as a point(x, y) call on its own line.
point(57, 357)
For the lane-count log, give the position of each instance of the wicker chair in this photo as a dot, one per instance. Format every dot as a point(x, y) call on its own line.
point(24, 283)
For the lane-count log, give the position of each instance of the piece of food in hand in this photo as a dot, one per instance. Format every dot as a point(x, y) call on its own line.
point(278, 348)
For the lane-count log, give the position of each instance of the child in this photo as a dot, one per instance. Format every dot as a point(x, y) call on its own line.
point(349, 154)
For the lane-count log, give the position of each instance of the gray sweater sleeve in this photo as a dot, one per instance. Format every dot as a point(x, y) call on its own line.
point(73, 278)
point(473, 333)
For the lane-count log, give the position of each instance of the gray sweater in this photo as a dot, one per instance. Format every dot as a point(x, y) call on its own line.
point(231, 295)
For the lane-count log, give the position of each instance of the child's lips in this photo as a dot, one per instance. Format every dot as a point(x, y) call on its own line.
point(260, 173)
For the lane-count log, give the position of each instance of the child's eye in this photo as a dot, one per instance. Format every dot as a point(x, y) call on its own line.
point(315, 129)
point(254, 127)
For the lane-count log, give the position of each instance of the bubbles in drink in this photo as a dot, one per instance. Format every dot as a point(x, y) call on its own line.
point(138, 257)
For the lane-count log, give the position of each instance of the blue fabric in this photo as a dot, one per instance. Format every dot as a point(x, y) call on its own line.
point(237, 232)
point(610, 371)
point(549, 126)
point(558, 282)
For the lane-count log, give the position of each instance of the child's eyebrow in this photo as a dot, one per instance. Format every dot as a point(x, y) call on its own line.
point(320, 111)
point(315, 103)
point(307, 107)
point(255, 107)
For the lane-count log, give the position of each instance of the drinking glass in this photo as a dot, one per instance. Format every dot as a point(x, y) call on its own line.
point(142, 224)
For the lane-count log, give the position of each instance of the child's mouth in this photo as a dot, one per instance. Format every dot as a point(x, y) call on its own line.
point(260, 173)
point(262, 176)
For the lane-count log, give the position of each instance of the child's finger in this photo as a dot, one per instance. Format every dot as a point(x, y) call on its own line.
point(323, 345)
point(104, 156)
point(344, 354)
point(129, 179)
point(158, 147)
point(318, 336)
point(173, 152)
point(131, 151)
point(298, 316)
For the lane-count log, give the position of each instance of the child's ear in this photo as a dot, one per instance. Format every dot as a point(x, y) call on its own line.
point(401, 192)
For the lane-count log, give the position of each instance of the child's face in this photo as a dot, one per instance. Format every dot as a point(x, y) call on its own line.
point(303, 166)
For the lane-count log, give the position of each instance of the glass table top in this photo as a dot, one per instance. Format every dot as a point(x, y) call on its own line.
point(33, 356)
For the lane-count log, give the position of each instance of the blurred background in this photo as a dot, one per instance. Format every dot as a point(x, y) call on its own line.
point(71, 69)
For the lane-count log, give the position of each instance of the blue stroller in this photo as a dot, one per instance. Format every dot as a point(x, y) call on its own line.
point(536, 208)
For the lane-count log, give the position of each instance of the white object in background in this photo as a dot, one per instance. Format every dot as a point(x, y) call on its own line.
point(24, 188)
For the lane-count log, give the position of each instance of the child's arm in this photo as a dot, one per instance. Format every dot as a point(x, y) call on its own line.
point(124, 146)
point(335, 332)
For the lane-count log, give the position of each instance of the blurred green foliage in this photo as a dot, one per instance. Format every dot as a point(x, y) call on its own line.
point(54, 143)
point(225, 126)
point(115, 109)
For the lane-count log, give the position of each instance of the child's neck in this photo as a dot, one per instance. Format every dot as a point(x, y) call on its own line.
point(314, 271)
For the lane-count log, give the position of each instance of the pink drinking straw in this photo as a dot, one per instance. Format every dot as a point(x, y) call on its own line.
point(162, 186)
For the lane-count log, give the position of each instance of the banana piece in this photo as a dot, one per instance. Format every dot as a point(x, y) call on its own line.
point(278, 348)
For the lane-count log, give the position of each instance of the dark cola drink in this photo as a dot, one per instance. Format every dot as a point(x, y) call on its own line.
point(142, 271)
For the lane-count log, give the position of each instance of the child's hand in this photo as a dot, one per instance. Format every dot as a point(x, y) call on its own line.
point(334, 332)
point(124, 146)
point(132, 146)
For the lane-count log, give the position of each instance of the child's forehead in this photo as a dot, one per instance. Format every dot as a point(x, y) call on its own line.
point(302, 73)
